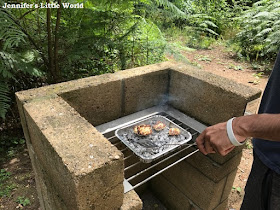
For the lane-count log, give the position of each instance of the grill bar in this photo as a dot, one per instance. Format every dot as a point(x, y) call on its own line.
point(125, 158)
point(156, 164)
point(159, 172)
point(131, 166)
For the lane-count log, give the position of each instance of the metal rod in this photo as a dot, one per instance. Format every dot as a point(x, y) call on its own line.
point(152, 166)
point(119, 142)
point(124, 149)
point(134, 164)
point(128, 157)
point(159, 172)
point(111, 137)
point(194, 133)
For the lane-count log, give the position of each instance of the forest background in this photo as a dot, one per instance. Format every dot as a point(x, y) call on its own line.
point(45, 46)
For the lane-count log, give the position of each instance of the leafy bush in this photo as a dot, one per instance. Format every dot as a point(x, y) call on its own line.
point(260, 30)
point(12, 59)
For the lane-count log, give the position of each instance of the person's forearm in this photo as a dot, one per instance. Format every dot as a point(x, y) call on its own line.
point(264, 126)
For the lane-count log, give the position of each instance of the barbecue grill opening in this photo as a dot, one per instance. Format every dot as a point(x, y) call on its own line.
point(146, 157)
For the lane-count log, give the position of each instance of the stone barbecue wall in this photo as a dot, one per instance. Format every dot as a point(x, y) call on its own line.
point(76, 167)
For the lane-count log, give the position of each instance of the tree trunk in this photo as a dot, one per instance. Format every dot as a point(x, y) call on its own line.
point(57, 73)
point(50, 46)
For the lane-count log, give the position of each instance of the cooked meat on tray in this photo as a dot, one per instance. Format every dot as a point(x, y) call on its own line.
point(159, 126)
point(142, 130)
point(174, 131)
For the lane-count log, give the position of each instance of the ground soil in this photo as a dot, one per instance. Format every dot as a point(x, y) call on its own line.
point(216, 60)
point(21, 181)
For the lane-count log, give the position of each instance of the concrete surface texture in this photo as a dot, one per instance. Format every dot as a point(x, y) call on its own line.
point(76, 167)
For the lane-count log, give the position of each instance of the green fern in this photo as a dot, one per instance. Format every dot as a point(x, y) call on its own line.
point(4, 99)
point(172, 7)
point(11, 61)
point(9, 31)
point(259, 36)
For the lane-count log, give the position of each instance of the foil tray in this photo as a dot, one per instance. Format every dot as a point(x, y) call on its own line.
point(164, 143)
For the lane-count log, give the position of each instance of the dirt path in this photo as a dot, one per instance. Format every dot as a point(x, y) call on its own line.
point(221, 62)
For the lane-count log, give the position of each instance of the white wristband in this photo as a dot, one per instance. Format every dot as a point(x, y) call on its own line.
point(230, 134)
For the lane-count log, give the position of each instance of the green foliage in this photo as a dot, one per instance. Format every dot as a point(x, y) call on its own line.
point(4, 175)
point(174, 50)
point(234, 67)
point(237, 189)
point(210, 16)
point(256, 81)
point(9, 31)
point(23, 201)
point(260, 34)
point(204, 58)
point(104, 37)
point(173, 7)
point(5, 190)
point(249, 144)
point(5, 186)
point(4, 98)
point(107, 36)
point(10, 145)
point(204, 20)
point(11, 60)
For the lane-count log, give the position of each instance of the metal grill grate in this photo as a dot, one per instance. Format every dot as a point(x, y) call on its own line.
point(136, 172)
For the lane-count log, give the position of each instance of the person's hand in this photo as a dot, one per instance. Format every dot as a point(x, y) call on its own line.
point(214, 139)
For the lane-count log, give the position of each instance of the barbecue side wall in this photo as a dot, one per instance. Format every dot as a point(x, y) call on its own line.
point(203, 182)
point(207, 97)
point(71, 173)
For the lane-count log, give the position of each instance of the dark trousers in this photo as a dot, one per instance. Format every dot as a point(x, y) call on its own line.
point(262, 191)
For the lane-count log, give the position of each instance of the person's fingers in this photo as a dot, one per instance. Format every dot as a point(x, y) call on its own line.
point(215, 148)
point(224, 152)
point(208, 147)
point(229, 150)
point(200, 143)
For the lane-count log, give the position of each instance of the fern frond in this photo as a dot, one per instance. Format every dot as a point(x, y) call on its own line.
point(264, 32)
point(210, 23)
point(9, 32)
point(261, 26)
point(169, 5)
point(260, 3)
point(263, 15)
point(4, 99)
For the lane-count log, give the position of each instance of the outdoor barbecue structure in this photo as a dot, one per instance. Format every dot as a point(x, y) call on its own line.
point(86, 155)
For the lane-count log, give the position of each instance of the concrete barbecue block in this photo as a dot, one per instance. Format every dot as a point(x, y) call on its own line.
point(76, 167)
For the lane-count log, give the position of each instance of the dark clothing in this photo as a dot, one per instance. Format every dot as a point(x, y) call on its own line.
point(262, 190)
point(269, 151)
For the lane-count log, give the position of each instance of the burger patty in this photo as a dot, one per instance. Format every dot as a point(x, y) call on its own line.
point(174, 131)
point(159, 126)
point(143, 130)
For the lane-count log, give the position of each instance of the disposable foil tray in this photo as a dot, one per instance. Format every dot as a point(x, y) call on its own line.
point(162, 141)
